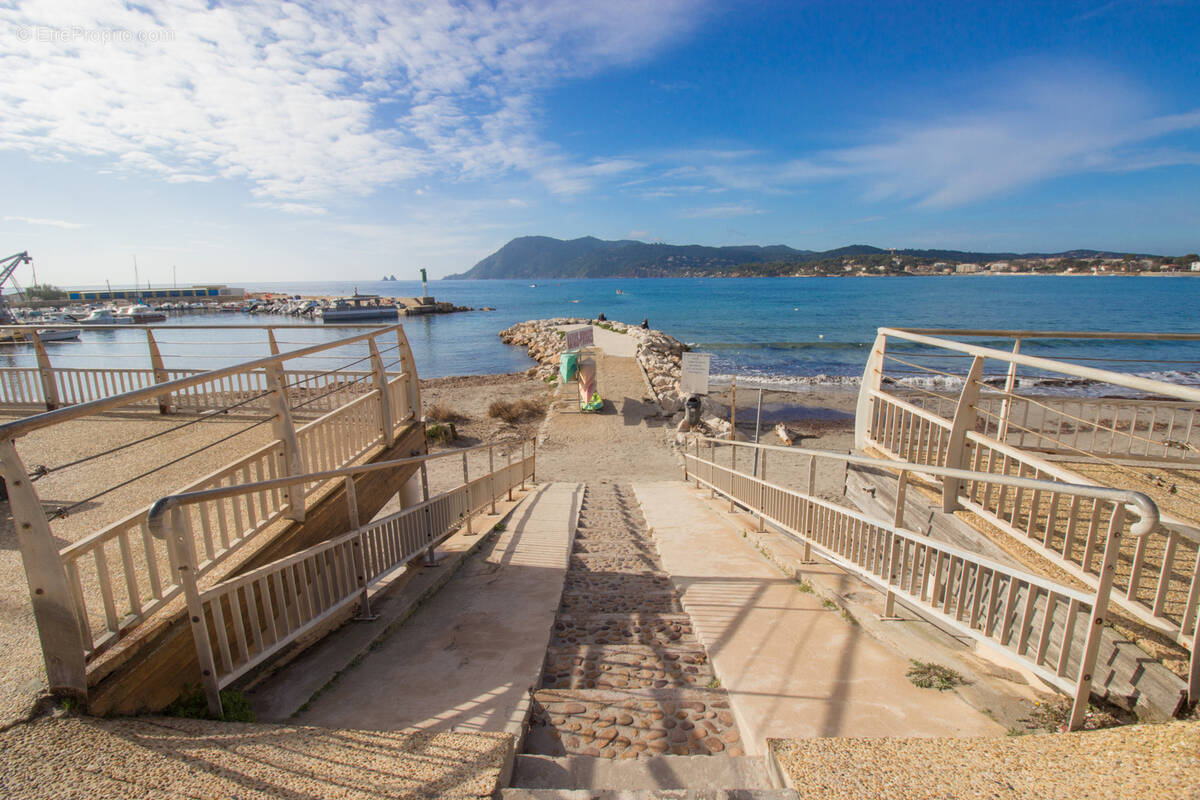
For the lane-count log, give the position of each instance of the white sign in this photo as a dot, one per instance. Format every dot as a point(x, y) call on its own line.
point(693, 378)
point(579, 337)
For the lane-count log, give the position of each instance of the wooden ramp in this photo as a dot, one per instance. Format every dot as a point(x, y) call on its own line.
point(149, 668)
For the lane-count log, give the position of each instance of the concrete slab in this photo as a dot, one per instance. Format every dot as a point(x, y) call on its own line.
point(469, 657)
point(293, 679)
point(793, 667)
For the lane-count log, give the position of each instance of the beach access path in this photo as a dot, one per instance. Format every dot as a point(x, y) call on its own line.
point(626, 440)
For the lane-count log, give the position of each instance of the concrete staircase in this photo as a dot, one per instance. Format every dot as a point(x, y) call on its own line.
point(629, 705)
point(664, 776)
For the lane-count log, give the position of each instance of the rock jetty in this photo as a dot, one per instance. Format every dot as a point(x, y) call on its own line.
point(658, 353)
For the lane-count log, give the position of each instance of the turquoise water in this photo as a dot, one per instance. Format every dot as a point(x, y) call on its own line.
point(778, 330)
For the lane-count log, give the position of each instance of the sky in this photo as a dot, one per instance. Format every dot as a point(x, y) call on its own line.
point(266, 141)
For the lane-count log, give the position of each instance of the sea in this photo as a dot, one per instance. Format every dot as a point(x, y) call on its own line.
point(772, 332)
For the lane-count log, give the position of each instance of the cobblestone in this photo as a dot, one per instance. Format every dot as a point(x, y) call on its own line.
point(625, 676)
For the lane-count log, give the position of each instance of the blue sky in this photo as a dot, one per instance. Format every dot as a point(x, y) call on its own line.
point(267, 141)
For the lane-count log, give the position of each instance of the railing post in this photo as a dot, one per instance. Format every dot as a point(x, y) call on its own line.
point(889, 605)
point(431, 557)
point(732, 469)
point(761, 458)
point(1099, 616)
point(872, 380)
point(385, 403)
point(1010, 383)
point(412, 385)
point(53, 610)
point(467, 485)
point(46, 373)
point(160, 371)
point(492, 477)
point(360, 556)
point(508, 474)
point(522, 465)
point(712, 459)
point(812, 476)
point(284, 430)
point(185, 559)
point(964, 421)
point(271, 343)
point(697, 441)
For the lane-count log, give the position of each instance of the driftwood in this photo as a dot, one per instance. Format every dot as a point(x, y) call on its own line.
point(785, 436)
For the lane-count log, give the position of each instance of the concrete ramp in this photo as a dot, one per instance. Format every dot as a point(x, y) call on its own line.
point(468, 658)
point(793, 666)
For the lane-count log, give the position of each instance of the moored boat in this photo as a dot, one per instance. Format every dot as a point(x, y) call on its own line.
point(360, 308)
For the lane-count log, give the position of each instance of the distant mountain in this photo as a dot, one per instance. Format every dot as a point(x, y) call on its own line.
point(543, 257)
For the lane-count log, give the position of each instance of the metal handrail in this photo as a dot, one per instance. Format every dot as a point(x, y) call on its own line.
point(155, 517)
point(1142, 504)
point(1009, 333)
point(1051, 365)
point(26, 425)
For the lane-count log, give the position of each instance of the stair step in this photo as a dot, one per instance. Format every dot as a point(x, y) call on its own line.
point(632, 724)
point(664, 772)
point(592, 666)
point(648, 794)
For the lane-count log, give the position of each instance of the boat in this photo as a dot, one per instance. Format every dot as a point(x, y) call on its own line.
point(141, 314)
point(360, 308)
point(105, 316)
point(58, 335)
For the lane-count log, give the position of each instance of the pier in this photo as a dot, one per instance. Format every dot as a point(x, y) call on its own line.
point(598, 608)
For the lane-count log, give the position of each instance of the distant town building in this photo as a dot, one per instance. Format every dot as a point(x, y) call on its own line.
point(967, 268)
point(219, 293)
point(1196, 266)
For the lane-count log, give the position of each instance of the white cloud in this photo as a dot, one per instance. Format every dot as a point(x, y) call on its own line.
point(310, 101)
point(1029, 125)
point(53, 223)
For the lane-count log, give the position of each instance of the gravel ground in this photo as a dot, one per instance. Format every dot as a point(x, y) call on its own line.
point(150, 757)
point(1144, 761)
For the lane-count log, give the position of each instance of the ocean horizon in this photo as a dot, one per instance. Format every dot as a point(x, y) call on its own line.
point(782, 332)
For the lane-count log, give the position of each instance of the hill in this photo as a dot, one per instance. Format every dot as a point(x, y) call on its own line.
point(543, 257)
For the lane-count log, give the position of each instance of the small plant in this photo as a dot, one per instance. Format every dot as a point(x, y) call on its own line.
point(443, 412)
point(68, 705)
point(514, 411)
point(933, 676)
point(443, 432)
point(1055, 714)
point(715, 683)
point(827, 603)
point(498, 527)
point(804, 586)
point(192, 704)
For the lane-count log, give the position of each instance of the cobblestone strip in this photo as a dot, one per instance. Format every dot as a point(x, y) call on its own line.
point(625, 676)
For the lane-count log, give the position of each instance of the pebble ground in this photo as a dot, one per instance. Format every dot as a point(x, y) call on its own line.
point(1136, 761)
point(625, 676)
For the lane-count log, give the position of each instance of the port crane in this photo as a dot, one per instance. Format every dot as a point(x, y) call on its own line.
point(8, 266)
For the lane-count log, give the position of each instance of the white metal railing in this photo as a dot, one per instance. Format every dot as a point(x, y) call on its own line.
point(1051, 629)
point(94, 592)
point(242, 621)
point(1000, 432)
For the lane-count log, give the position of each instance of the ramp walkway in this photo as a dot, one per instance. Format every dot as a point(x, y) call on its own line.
point(793, 667)
point(467, 659)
